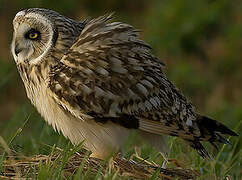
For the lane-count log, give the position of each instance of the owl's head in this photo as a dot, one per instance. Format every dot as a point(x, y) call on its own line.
point(39, 32)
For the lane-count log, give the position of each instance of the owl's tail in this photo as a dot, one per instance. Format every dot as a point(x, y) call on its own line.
point(212, 132)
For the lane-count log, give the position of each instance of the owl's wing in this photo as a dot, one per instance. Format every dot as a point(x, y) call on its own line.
point(109, 74)
point(106, 69)
point(109, 71)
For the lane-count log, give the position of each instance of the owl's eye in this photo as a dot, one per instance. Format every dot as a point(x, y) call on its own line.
point(32, 34)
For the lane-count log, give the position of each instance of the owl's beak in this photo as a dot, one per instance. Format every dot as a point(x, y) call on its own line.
point(17, 49)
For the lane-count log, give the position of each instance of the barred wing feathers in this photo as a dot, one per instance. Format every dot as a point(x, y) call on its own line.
point(110, 75)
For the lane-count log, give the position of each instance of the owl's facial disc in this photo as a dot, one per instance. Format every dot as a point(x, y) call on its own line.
point(32, 38)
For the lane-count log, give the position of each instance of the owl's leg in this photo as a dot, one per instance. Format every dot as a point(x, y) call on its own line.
point(164, 164)
point(159, 142)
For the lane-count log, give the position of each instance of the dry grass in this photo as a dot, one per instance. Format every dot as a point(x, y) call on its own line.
point(18, 167)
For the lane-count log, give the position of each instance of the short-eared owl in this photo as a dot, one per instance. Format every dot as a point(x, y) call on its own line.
point(97, 81)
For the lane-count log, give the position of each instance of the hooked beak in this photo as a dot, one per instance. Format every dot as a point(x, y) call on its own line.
point(17, 49)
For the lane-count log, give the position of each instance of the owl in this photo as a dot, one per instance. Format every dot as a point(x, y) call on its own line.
point(96, 81)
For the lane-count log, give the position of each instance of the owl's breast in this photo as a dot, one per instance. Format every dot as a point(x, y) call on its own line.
point(99, 138)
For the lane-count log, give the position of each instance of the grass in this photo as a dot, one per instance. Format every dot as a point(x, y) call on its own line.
point(200, 42)
point(31, 156)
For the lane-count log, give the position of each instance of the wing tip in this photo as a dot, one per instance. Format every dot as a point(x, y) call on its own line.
point(213, 126)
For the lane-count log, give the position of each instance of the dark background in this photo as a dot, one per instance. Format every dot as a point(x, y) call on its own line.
point(199, 41)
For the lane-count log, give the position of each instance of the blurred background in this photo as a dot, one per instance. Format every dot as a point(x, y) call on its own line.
point(199, 41)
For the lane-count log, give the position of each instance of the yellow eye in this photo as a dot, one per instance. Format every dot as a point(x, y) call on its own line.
point(33, 35)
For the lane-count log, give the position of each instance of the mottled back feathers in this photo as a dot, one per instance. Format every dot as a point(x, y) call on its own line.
point(111, 75)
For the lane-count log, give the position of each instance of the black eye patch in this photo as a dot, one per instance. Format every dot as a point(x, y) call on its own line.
point(32, 34)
